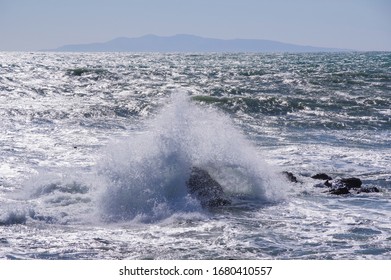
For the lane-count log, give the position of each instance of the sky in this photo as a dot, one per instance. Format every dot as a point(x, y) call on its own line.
point(29, 25)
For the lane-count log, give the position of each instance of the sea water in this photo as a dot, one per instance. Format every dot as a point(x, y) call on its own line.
point(96, 150)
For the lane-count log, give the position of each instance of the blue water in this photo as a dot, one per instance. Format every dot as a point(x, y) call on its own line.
point(96, 150)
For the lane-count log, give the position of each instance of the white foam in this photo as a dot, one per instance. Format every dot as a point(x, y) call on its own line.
point(147, 172)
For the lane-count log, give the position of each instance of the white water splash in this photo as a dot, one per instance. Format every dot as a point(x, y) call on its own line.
point(146, 174)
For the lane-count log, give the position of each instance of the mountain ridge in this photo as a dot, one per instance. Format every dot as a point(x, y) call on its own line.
point(190, 43)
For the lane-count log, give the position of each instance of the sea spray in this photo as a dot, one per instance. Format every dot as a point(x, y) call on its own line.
point(61, 196)
point(146, 173)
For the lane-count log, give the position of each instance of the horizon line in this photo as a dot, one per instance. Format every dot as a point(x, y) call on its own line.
point(331, 49)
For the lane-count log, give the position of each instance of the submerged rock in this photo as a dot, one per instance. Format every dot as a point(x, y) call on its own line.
point(339, 191)
point(207, 190)
point(343, 186)
point(368, 190)
point(289, 175)
point(321, 176)
point(351, 183)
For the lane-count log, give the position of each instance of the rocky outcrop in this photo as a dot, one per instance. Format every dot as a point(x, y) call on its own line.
point(211, 194)
point(342, 186)
point(350, 183)
point(291, 178)
point(369, 190)
point(339, 191)
point(321, 176)
point(207, 190)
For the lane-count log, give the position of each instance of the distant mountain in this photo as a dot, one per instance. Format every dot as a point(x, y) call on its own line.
point(189, 43)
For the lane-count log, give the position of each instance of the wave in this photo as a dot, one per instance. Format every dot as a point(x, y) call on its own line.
point(144, 177)
point(83, 71)
point(146, 173)
point(13, 217)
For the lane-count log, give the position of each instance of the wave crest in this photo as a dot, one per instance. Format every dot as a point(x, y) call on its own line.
point(146, 174)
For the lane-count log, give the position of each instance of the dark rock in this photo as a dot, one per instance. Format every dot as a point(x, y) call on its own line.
point(343, 186)
point(289, 175)
point(321, 176)
point(339, 191)
point(351, 183)
point(207, 190)
point(368, 190)
point(328, 184)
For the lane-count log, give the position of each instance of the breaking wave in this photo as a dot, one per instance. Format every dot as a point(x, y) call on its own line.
point(146, 173)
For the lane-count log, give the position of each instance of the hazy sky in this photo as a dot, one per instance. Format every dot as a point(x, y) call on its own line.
point(42, 24)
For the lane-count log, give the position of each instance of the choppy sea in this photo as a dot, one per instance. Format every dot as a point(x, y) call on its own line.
point(96, 150)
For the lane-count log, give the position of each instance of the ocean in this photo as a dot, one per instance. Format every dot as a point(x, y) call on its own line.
point(97, 150)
